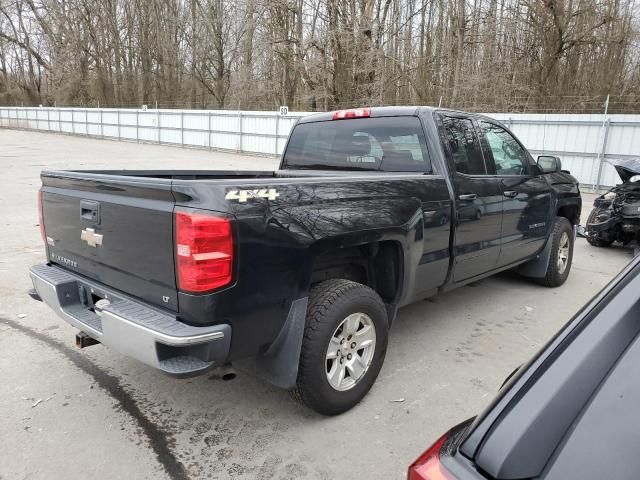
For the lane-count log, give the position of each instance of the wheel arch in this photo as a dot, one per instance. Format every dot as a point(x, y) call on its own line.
point(378, 264)
point(570, 211)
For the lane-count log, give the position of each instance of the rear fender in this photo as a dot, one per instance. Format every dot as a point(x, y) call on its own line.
point(408, 236)
point(324, 229)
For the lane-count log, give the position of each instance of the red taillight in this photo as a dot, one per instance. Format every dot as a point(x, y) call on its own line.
point(428, 465)
point(204, 251)
point(355, 113)
point(41, 217)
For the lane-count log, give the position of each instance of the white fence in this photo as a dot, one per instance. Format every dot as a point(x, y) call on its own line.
point(583, 142)
point(251, 132)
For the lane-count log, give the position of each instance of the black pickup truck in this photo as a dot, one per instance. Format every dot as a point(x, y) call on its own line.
point(297, 274)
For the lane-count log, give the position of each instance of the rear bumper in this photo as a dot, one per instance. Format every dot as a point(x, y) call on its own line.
point(131, 327)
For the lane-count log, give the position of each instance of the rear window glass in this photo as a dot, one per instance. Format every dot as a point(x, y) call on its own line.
point(392, 144)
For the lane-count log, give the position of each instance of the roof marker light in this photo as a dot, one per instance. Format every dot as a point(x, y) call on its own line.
point(354, 113)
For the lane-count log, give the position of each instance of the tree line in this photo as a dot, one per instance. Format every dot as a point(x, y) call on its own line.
point(481, 55)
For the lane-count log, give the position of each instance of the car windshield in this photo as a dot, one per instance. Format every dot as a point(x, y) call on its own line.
point(394, 144)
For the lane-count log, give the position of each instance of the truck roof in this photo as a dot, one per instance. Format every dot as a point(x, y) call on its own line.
point(375, 111)
point(393, 111)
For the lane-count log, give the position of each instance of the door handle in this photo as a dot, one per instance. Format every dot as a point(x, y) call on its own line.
point(90, 211)
point(467, 196)
point(510, 193)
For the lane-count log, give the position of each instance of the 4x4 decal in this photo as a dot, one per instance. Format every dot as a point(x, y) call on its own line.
point(243, 195)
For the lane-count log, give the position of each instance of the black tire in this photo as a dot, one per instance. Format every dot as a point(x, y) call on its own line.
point(596, 241)
point(330, 303)
point(554, 277)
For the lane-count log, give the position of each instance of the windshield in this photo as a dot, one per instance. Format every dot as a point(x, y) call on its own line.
point(392, 144)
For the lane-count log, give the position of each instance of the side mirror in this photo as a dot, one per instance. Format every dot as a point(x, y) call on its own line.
point(549, 164)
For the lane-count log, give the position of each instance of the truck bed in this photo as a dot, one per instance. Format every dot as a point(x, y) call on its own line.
point(132, 212)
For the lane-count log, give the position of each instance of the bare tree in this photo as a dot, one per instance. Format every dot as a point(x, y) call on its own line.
point(516, 55)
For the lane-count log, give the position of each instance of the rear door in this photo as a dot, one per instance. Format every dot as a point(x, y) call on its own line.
point(114, 229)
point(478, 199)
point(527, 197)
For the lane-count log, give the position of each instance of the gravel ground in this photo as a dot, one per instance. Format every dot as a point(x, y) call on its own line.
point(95, 414)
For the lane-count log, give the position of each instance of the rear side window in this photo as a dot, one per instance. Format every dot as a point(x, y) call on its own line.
point(459, 138)
point(391, 144)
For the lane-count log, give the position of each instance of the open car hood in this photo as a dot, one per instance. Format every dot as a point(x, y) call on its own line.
point(626, 167)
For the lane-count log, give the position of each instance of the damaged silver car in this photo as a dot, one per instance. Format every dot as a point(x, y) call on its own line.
point(616, 214)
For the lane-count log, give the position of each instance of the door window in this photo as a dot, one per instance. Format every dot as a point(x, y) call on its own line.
point(509, 157)
point(459, 138)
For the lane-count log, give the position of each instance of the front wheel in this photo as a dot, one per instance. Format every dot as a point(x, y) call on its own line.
point(561, 254)
point(343, 348)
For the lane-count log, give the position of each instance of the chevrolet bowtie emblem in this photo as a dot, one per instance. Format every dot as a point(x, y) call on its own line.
point(90, 236)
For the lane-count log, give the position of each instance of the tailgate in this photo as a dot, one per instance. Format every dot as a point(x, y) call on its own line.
point(116, 230)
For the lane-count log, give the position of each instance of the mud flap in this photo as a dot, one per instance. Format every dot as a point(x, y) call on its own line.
point(279, 364)
point(537, 268)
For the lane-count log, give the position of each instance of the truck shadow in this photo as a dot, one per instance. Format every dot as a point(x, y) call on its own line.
point(447, 355)
point(245, 428)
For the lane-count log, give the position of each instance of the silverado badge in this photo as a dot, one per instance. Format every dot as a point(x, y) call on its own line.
point(90, 236)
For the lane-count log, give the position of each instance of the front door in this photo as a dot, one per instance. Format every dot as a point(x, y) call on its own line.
point(478, 199)
point(527, 197)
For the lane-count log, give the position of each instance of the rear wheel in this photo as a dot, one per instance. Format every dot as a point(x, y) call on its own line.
point(343, 348)
point(561, 254)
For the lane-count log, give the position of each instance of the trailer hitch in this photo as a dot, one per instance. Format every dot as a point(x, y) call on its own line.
point(83, 340)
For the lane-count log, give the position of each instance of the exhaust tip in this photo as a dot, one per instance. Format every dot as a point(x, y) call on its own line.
point(227, 372)
point(228, 376)
point(224, 373)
